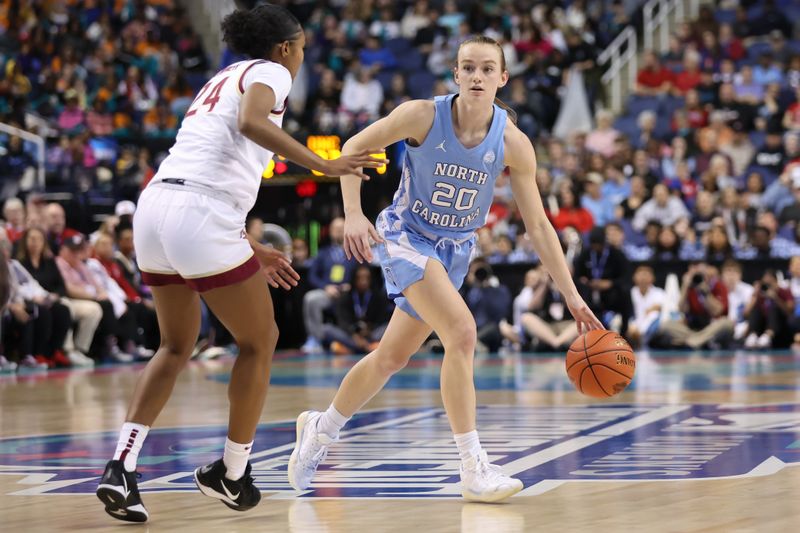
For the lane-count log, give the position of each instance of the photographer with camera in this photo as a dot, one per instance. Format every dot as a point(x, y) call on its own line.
point(489, 301)
point(602, 272)
point(704, 303)
point(362, 314)
point(769, 313)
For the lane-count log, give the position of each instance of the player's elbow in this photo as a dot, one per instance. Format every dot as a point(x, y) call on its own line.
point(246, 125)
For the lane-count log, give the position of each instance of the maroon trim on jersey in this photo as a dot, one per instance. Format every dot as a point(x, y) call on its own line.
point(285, 103)
point(223, 279)
point(241, 78)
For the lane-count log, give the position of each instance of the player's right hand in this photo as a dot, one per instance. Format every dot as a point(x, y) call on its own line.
point(357, 232)
point(354, 164)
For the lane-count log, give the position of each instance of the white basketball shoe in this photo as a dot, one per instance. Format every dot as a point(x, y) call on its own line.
point(310, 450)
point(482, 481)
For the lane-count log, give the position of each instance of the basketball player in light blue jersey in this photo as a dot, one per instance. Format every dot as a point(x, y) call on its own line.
point(457, 145)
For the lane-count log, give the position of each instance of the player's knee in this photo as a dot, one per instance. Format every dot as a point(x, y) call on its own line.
point(461, 339)
point(178, 349)
point(260, 345)
point(392, 363)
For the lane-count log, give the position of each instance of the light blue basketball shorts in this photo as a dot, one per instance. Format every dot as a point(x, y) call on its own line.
point(404, 254)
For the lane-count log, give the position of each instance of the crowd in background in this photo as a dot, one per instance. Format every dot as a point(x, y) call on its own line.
point(703, 165)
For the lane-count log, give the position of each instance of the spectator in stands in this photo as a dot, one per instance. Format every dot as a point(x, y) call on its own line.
point(299, 253)
point(14, 165)
point(375, 56)
point(647, 300)
point(663, 208)
point(779, 193)
point(362, 314)
point(791, 118)
point(569, 214)
point(42, 321)
point(668, 245)
point(489, 301)
point(599, 205)
point(35, 256)
point(140, 306)
point(602, 138)
point(739, 149)
point(56, 226)
point(546, 321)
point(361, 94)
point(704, 303)
point(125, 256)
point(748, 90)
point(771, 156)
point(739, 294)
point(99, 120)
point(790, 214)
point(769, 312)
point(503, 248)
point(638, 196)
point(653, 78)
point(132, 316)
point(767, 70)
point(601, 271)
point(81, 284)
point(329, 274)
point(689, 77)
point(646, 122)
point(718, 247)
point(14, 215)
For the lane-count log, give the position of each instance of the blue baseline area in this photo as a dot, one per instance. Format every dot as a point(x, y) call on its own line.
point(656, 372)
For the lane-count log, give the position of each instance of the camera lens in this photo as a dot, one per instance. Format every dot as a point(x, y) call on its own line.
point(481, 273)
point(697, 279)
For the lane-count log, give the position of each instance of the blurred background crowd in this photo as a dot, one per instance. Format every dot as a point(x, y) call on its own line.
point(701, 167)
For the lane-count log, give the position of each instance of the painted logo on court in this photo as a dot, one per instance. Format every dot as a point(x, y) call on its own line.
point(409, 453)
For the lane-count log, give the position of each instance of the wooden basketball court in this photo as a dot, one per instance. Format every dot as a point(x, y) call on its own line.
point(697, 443)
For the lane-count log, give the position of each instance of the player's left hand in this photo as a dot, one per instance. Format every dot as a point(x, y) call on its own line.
point(276, 267)
point(583, 315)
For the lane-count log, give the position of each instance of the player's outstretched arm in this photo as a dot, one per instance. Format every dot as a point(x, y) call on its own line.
point(254, 124)
point(521, 160)
point(410, 120)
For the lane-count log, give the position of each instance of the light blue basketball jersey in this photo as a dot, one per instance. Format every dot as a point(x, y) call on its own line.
point(446, 190)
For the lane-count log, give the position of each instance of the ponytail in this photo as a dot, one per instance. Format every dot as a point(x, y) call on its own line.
point(502, 105)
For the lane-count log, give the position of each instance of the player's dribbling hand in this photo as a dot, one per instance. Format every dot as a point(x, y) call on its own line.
point(583, 316)
point(354, 164)
point(357, 232)
point(276, 267)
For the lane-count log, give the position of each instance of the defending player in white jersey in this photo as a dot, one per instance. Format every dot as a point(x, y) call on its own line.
point(190, 239)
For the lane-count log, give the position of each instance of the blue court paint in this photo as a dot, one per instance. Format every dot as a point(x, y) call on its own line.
point(403, 453)
point(659, 372)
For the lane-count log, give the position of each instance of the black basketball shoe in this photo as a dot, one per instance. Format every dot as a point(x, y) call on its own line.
point(119, 492)
point(239, 495)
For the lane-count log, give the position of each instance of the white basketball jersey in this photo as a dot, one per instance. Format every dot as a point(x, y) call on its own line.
point(209, 149)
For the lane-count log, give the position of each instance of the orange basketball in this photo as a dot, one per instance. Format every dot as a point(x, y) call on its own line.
point(600, 363)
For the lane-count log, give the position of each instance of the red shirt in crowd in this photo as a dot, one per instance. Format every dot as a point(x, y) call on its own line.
point(577, 217)
point(687, 80)
point(115, 273)
point(654, 79)
point(696, 300)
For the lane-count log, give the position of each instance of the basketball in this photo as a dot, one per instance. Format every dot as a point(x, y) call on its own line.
point(600, 363)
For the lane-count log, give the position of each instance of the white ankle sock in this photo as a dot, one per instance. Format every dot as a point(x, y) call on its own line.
point(469, 445)
point(235, 458)
point(131, 438)
point(331, 422)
